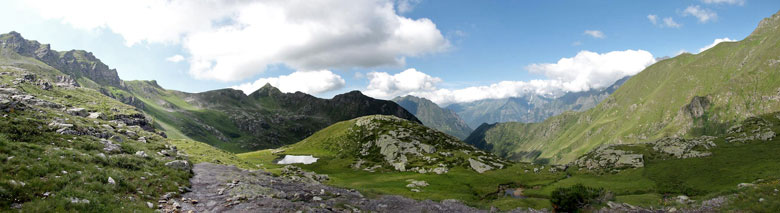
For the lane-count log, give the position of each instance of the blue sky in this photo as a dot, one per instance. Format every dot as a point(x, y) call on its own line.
point(455, 51)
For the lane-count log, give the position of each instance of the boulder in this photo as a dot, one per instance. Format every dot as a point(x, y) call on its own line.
point(479, 166)
point(179, 164)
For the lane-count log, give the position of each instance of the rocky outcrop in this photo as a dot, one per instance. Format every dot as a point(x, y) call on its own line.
point(751, 129)
point(393, 143)
point(608, 157)
point(685, 148)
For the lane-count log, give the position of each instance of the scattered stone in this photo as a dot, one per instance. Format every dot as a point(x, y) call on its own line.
point(745, 185)
point(150, 205)
point(111, 181)
point(141, 154)
point(96, 115)
point(761, 199)
point(110, 147)
point(682, 199)
point(74, 200)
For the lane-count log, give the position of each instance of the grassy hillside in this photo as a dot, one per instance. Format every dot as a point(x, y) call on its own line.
point(686, 95)
point(340, 146)
point(433, 116)
point(56, 158)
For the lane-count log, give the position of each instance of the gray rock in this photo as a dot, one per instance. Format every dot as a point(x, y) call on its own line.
point(81, 112)
point(141, 154)
point(96, 115)
point(179, 164)
point(111, 181)
point(479, 166)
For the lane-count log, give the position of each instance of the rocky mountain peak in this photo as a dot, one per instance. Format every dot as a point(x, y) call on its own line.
point(266, 91)
point(76, 63)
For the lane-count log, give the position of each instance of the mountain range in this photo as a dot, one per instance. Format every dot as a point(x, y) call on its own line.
point(226, 118)
point(530, 108)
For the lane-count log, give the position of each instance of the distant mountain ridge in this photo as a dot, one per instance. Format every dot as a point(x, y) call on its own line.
point(433, 116)
point(530, 109)
point(225, 118)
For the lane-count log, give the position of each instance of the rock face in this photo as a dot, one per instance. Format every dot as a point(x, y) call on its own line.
point(258, 191)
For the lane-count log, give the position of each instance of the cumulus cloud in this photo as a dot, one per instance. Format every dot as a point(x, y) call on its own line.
point(311, 82)
point(653, 19)
point(587, 70)
point(665, 22)
point(386, 86)
point(716, 42)
point(175, 58)
point(704, 15)
point(733, 2)
point(232, 40)
point(595, 33)
point(669, 22)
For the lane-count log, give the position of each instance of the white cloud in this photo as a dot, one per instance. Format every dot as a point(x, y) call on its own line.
point(587, 70)
point(405, 6)
point(653, 19)
point(733, 2)
point(704, 15)
point(669, 22)
point(681, 51)
point(716, 42)
point(311, 82)
point(665, 22)
point(595, 33)
point(175, 58)
point(233, 40)
point(386, 86)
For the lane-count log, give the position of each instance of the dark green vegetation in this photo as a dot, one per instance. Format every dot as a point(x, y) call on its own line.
point(530, 108)
point(574, 198)
point(433, 116)
point(687, 95)
point(268, 118)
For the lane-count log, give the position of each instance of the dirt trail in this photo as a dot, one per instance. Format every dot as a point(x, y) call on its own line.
point(219, 188)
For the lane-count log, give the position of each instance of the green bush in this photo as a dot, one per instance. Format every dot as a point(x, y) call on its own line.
point(574, 198)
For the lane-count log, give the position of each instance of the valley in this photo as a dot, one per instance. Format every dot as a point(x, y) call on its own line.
point(691, 133)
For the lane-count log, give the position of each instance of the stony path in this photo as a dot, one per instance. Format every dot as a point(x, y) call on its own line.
point(219, 188)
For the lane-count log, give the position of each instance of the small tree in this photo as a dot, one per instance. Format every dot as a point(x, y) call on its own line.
point(574, 198)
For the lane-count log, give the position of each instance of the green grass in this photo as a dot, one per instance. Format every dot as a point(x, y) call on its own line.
point(199, 152)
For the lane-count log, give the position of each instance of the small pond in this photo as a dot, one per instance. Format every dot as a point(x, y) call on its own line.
point(291, 159)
